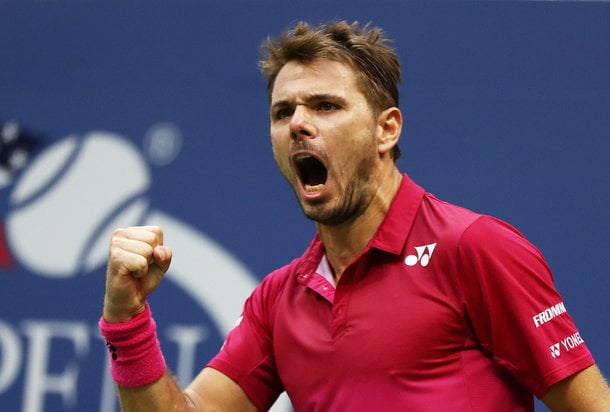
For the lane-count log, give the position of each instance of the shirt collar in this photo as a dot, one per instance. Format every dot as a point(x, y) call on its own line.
point(395, 227)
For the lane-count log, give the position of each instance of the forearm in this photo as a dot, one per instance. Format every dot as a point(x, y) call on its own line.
point(164, 395)
point(584, 391)
point(138, 261)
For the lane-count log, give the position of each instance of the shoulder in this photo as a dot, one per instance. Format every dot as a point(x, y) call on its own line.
point(274, 285)
point(269, 291)
point(445, 214)
point(471, 229)
point(276, 280)
point(450, 223)
point(490, 237)
point(477, 244)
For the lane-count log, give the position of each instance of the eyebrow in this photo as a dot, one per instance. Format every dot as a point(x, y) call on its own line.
point(313, 98)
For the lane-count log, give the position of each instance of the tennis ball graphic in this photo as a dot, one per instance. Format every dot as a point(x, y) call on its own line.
point(67, 202)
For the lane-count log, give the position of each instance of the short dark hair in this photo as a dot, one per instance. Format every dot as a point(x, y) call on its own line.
point(365, 49)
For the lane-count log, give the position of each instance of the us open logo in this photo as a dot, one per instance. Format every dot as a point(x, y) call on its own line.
point(60, 212)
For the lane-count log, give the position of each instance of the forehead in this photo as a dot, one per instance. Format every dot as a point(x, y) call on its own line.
point(320, 77)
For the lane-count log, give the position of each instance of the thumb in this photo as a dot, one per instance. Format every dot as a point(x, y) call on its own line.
point(157, 267)
point(162, 258)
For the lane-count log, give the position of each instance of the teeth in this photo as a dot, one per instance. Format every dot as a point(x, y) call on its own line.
point(314, 188)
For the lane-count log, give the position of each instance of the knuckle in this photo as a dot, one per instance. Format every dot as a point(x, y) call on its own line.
point(118, 232)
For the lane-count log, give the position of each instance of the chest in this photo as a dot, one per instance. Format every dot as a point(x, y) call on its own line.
point(384, 321)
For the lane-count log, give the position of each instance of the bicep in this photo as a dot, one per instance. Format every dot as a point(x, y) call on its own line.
point(586, 390)
point(212, 390)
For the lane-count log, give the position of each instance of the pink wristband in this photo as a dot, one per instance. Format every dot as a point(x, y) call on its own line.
point(135, 353)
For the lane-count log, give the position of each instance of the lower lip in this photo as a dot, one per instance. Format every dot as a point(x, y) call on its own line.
point(313, 194)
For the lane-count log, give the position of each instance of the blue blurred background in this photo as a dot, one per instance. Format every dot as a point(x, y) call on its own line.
point(506, 107)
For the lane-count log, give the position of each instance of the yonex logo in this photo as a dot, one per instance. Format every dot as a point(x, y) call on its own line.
point(555, 350)
point(568, 343)
point(424, 254)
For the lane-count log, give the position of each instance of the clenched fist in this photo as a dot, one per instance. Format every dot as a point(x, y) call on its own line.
point(137, 263)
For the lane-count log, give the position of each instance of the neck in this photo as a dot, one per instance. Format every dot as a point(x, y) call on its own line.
point(344, 242)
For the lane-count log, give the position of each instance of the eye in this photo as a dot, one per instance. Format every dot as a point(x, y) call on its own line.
point(282, 113)
point(327, 107)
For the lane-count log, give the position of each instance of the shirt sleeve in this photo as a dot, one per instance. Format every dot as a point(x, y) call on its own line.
point(516, 312)
point(247, 354)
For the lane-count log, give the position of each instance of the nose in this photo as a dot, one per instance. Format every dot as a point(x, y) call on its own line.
point(301, 125)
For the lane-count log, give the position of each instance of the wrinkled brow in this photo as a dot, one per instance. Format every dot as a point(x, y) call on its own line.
point(308, 100)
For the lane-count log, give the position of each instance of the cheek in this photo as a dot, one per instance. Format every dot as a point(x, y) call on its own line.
point(280, 153)
point(361, 145)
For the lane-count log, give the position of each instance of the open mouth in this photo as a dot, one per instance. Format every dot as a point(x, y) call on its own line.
point(312, 172)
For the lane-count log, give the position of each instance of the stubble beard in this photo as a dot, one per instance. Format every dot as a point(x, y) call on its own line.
point(352, 201)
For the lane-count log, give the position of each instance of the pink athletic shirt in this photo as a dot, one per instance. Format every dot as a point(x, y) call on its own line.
point(445, 309)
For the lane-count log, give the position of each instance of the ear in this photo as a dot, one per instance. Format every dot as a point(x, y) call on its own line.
point(389, 126)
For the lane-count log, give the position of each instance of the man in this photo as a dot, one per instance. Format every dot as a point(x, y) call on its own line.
point(401, 302)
